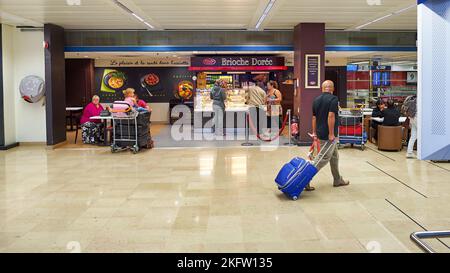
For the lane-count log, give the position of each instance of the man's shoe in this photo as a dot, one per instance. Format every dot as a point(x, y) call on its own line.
point(409, 155)
point(309, 188)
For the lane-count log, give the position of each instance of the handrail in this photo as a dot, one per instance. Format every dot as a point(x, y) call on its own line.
point(417, 237)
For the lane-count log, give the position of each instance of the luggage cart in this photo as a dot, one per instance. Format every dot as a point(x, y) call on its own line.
point(417, 237)
point(125, 132)
point(351, 128)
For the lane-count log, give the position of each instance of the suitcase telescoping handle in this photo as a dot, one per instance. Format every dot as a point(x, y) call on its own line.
point(326, 148)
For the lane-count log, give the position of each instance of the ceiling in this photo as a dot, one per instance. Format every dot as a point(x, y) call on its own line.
point(209, 14)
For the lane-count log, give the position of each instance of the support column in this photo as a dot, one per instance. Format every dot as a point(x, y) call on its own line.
point(2, 108)
point(55, 93)
point(433, 80)
point(7, 116)
point(309, 43)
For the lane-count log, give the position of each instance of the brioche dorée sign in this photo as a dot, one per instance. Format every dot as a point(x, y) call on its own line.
point(237, 63)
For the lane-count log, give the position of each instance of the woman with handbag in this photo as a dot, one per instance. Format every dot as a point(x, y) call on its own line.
point(274, 110)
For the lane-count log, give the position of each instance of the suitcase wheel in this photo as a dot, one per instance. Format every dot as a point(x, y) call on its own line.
point(294, 198)
point(135, 149)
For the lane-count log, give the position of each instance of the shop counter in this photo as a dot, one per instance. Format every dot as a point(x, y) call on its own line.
point(234, 119)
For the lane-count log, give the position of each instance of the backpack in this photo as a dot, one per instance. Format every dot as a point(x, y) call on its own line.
point(409, 107)
point(32, 89)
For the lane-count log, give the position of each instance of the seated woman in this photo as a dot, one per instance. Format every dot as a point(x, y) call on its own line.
point(377, 113)
point(130, 97)
point(391, 115)
point(92, 129)
point(141, 103)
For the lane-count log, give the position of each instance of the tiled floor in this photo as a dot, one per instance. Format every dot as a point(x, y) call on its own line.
point(162, 136)
point(213, 200)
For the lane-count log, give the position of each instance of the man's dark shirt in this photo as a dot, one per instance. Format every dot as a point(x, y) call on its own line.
point(323, 105)
point(377, 113)
point(391, 117)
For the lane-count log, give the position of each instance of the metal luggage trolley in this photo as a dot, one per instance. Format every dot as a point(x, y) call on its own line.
point(125, 131)
point(417, 237)
point(351, 128)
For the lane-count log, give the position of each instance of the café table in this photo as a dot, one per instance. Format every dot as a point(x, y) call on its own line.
point(105, 124)
point(71, 111)
point(378, 119)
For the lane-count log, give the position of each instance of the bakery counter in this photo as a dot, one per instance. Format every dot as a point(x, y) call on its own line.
point(227, 109)
point(234, 119)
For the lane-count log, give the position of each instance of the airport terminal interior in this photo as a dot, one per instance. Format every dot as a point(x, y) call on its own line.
point(168, 126)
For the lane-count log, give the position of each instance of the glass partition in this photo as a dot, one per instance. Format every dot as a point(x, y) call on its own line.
point(371, 79)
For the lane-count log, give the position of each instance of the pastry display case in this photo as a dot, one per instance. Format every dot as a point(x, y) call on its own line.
point(235, 99)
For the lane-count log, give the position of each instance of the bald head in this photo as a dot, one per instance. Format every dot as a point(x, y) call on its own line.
point(328, 86)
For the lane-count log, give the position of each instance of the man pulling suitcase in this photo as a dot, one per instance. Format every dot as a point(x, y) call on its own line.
point(296, 175)
point(325, 126)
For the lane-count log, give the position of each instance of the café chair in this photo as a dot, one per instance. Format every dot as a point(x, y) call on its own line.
point(77, 126)
point(390, 138)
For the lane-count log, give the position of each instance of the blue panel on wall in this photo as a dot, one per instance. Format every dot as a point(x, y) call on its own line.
point(227, 48)
point(434, 79)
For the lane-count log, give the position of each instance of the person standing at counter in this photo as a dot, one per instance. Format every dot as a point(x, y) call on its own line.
point(273, 102)
point(256, 96)
point(256, 99)
point(218, 96)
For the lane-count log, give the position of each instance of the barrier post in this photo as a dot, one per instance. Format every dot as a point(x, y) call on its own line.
point(289, 143)
point(247, 130)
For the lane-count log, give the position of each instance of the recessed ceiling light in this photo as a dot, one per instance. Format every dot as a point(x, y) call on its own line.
point(126, 9)
point(386, 16)
point(150, 26)
point(265, 13)
point(138, 17)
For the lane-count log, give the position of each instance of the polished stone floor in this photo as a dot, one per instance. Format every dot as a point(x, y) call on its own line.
point(214, 200)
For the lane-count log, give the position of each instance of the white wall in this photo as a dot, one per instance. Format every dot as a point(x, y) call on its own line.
point(8, 84)
point(28, 60)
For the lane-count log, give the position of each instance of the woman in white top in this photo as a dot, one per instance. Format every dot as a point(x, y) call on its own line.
point(273, 102)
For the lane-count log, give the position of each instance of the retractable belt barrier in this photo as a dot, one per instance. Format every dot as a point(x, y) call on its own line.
point(255, 130)
point(315, 147)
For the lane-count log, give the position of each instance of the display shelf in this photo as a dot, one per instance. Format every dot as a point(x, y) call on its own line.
point(235, 99)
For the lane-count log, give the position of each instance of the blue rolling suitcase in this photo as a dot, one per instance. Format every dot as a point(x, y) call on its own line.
point(298, 173)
